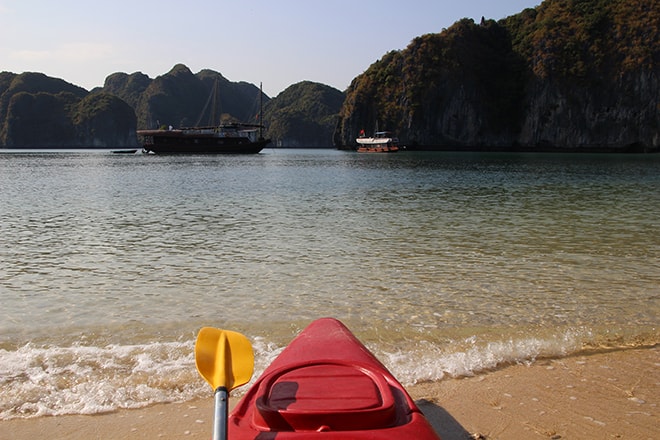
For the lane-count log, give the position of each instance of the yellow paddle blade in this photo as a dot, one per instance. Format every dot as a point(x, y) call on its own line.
point(223, 358)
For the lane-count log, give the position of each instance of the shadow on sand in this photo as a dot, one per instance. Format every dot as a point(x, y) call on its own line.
point(444, 424)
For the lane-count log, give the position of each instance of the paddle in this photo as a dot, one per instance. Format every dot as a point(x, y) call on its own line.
point(225, 360)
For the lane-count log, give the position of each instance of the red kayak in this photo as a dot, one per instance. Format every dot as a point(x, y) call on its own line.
point(327, 385)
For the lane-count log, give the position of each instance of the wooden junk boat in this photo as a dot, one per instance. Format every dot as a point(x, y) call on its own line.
point(233, 138)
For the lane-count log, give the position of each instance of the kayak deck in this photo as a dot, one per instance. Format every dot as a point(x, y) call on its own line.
point(326, 384)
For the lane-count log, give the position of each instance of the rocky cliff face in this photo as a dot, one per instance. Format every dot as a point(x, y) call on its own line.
point(104, 121)
point(43, 112)
point(462, 88)
point(621, 115)
point(182, 99)
point(127, 87)
point(569, 74)
point(303, 115)
point(37, 111)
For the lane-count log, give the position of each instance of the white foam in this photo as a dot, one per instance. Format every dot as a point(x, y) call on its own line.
point(429, 362)
point(39, 381)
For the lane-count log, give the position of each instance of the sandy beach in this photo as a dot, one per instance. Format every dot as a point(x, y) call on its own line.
point(609, 395)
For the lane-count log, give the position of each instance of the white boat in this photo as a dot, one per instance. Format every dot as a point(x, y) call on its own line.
point(381, 142)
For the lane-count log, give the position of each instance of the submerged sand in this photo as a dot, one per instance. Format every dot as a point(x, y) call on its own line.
point(610, 395)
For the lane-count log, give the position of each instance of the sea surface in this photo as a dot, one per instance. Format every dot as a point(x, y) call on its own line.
point(443, 264)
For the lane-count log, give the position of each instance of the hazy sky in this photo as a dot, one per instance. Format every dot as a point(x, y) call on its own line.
point(277, 42)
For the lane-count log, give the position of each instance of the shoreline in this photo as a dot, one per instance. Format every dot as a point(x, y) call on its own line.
point(613, 394)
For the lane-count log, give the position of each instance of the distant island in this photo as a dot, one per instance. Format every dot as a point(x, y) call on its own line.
point(568, 75)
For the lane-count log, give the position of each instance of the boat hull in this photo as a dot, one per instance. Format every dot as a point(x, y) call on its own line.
point(326, 384)
point(384, 148)
point(179, 142)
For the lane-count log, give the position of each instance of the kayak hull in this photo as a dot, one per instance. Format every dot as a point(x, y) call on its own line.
point(326, 384)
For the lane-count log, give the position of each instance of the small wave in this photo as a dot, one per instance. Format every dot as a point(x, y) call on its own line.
point(39, 381)
point(81, 379)
point(432, 362)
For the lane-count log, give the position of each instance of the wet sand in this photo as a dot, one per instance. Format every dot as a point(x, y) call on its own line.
point(610, 395)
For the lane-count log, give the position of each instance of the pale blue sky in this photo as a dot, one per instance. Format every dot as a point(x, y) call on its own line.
point(279, 42)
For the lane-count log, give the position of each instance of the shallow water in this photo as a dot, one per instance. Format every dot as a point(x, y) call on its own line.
point(443, 263)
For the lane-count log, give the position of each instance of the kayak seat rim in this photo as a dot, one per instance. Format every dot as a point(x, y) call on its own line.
point(327, 395)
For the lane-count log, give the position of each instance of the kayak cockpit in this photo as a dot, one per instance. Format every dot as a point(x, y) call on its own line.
point(298, 399)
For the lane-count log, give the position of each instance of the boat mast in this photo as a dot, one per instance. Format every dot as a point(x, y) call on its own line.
point(261, 111)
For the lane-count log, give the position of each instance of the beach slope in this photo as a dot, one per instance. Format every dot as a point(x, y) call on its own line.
point(612, 394)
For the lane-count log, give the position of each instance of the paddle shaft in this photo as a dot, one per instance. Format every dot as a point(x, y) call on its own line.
point(221, 413)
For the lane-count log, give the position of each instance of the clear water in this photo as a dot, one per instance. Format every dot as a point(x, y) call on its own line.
point(442, 263)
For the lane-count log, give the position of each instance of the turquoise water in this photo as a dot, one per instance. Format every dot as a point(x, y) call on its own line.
point(445, 264)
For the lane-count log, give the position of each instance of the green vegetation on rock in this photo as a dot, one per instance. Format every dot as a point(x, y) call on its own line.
point(37, 111)
point(303, 115)
point(567, 74)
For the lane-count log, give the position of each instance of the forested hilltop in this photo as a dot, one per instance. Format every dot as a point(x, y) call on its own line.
point(37, 111)
point(180, 98)
point(303, 115)
point(578, 75)
point(43, 112)
point(568, 74)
